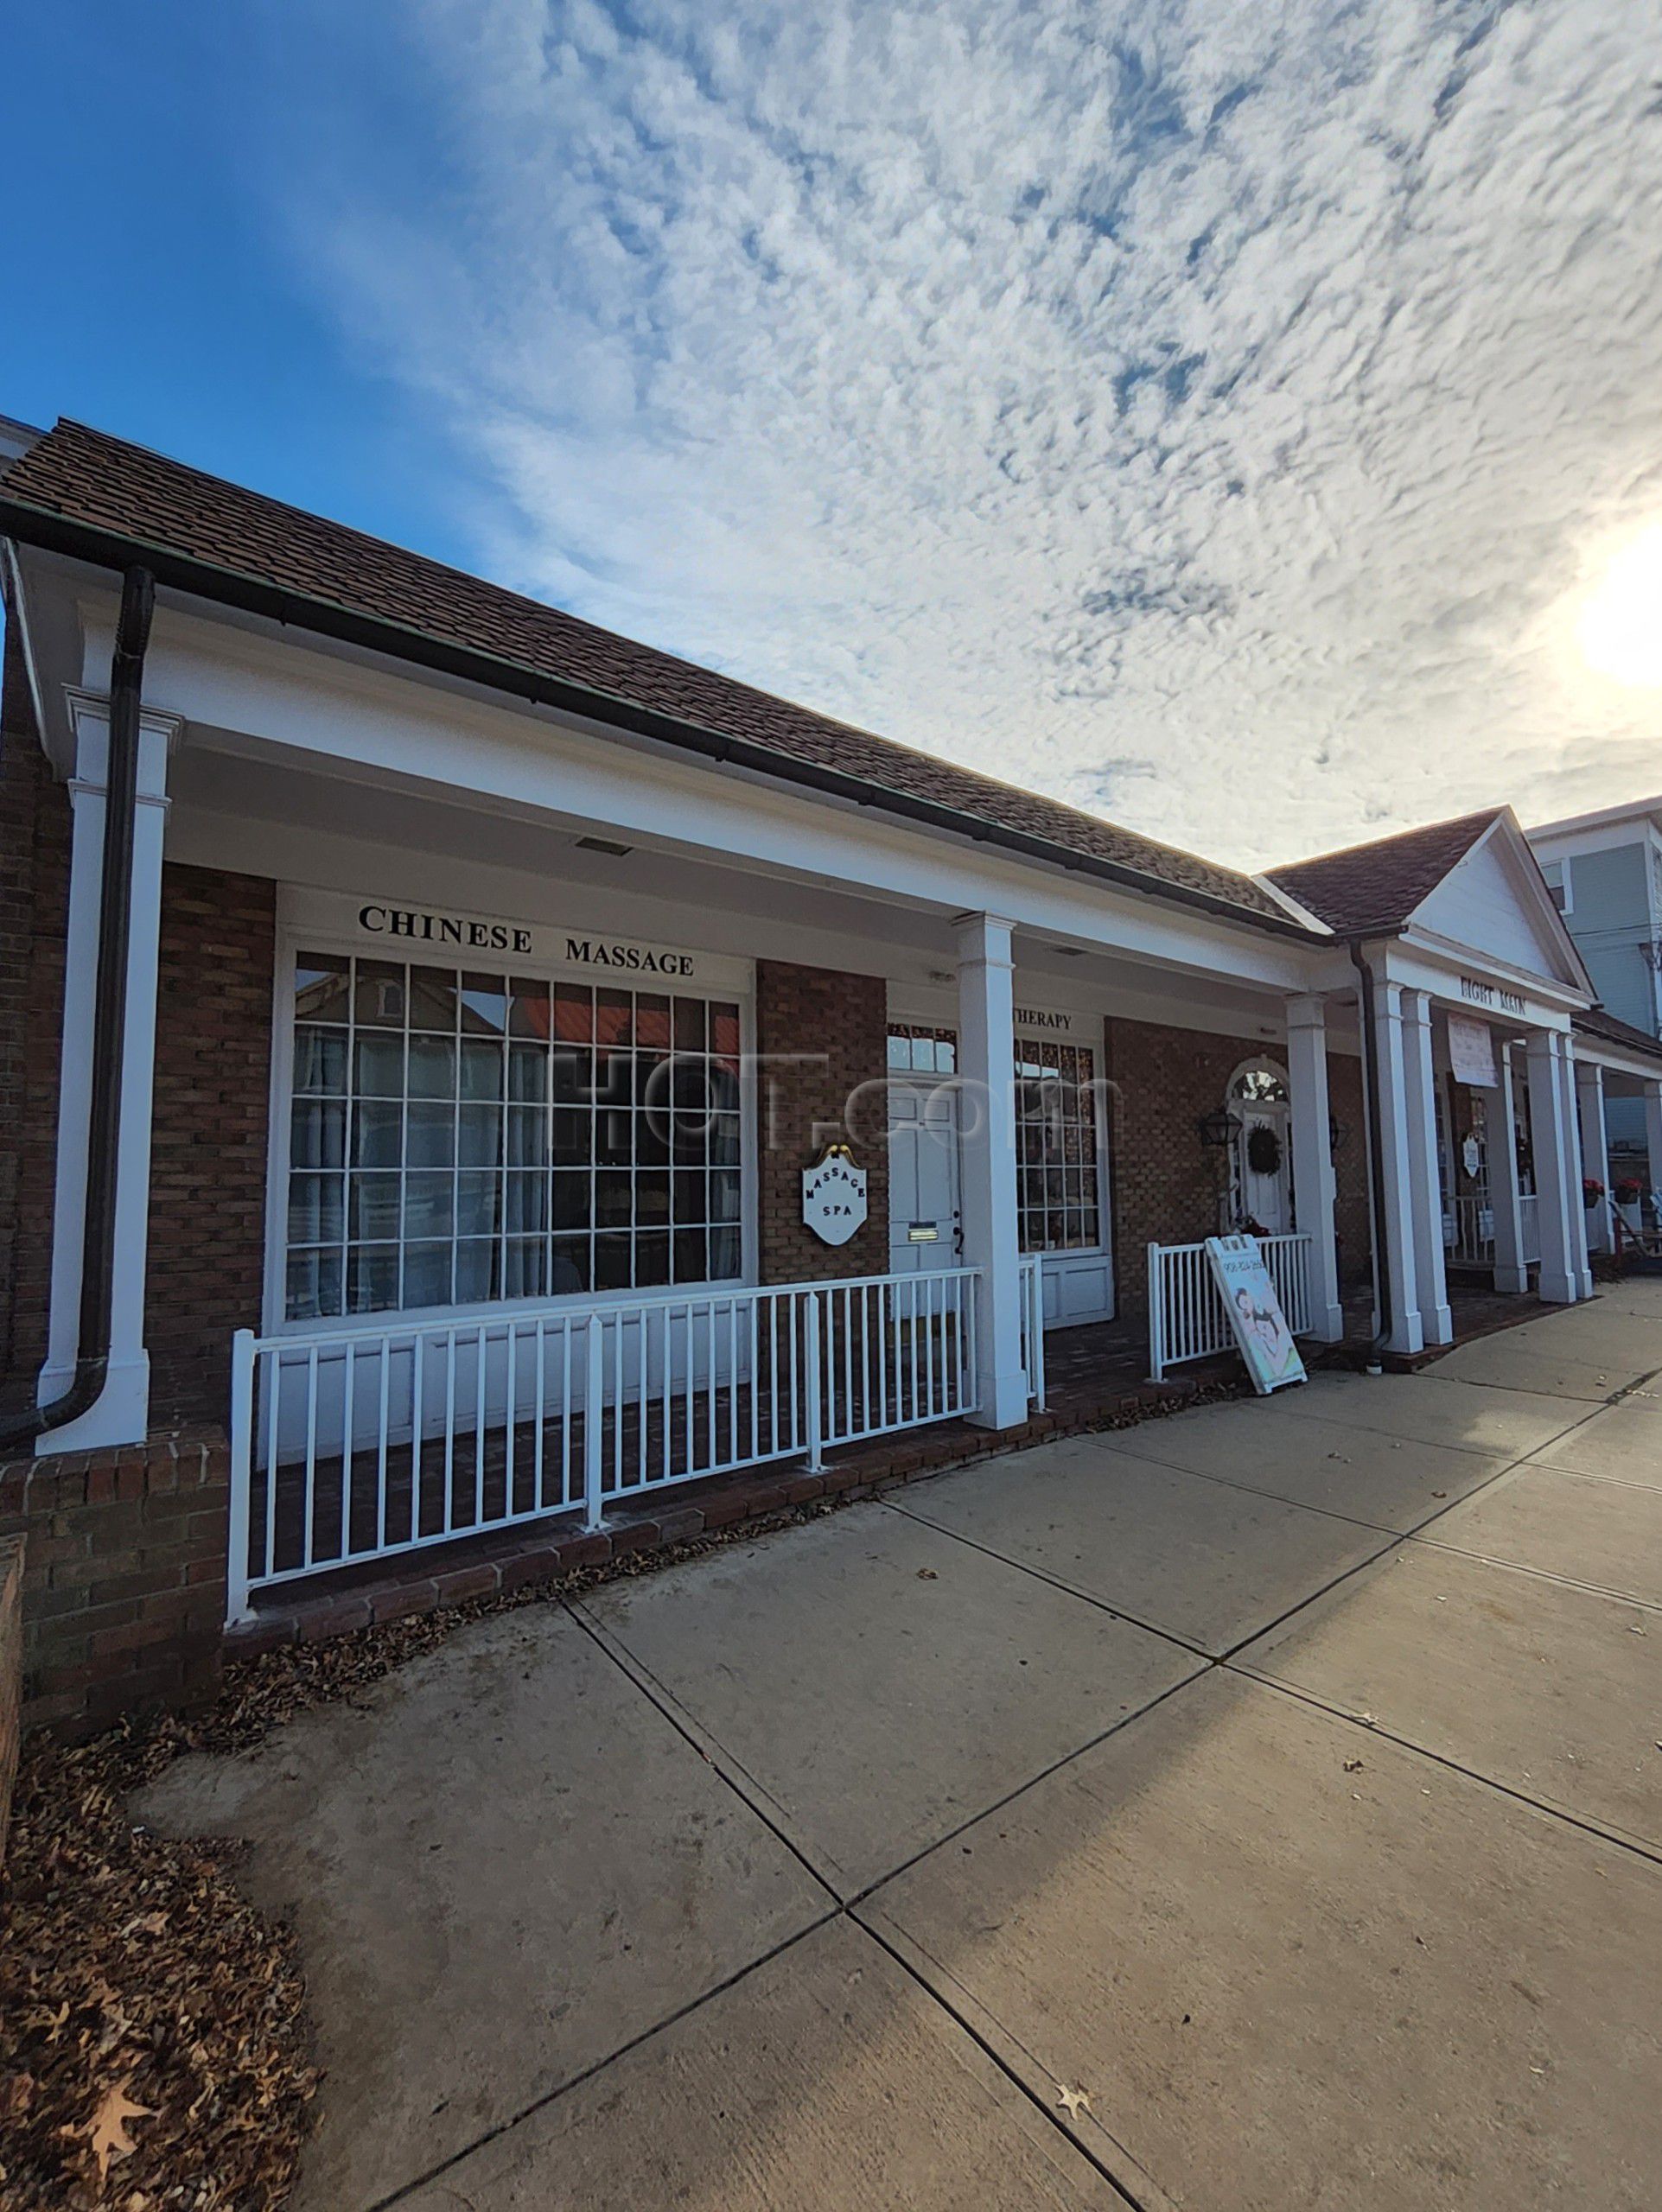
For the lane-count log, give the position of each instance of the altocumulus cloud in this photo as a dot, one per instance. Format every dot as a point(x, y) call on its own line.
point(1207, 412)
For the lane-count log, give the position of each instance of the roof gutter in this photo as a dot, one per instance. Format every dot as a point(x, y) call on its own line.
point(54, 533)
point(109, 1024)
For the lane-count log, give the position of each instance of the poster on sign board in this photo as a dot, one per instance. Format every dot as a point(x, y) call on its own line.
point(1254, 1315)
point(1471, 1052)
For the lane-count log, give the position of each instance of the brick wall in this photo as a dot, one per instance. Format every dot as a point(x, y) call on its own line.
point(124, 1578)
point(34, 909)
point(208, 1142)
point(1166, 1185)
point(11, 1673)
point(838, 1025)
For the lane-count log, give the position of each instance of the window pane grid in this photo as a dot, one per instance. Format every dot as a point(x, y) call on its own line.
point(462, 1135)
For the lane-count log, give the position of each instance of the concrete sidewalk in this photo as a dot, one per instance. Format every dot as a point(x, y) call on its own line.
point(1260, 1808)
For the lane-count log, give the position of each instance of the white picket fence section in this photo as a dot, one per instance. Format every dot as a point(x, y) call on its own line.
point(369, 1440)
point(1033, 1327)
point(1529, 1208)
point(1186, 1317)
point(1468, 1229)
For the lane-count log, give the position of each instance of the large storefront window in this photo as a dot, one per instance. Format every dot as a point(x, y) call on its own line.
point(458, 1135)
point(1056, 1146)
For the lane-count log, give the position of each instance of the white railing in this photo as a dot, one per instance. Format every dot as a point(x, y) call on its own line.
point(1033, 1327)
point(1468, 1231)
point(1528, 1214)
point(365, 1440)
point(1187, 1316)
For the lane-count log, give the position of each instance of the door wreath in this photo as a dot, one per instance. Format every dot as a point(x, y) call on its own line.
point(1263, 1150)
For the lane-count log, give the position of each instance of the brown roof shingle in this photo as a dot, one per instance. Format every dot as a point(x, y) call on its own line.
point(1377, 887)
point(1596, 1022)
point(106, 484)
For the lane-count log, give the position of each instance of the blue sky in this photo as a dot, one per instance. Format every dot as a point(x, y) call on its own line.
point(1213, 411)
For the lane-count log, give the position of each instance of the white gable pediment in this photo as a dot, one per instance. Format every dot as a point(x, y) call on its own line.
point(1494, 903)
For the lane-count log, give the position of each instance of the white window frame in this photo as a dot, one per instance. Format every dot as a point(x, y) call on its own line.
point(733, 981)
point(1093, 1040)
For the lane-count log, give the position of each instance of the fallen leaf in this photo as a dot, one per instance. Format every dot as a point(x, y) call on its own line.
point(108, 2130)
point(1073, 2102)
point(1353, 1766)
point(927, 1574)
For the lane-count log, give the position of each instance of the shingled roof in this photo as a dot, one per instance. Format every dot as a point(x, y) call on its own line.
point(158, 506)
point(1596, 1022)
point(1374, 888)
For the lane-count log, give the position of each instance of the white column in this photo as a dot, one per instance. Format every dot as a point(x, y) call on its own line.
point(1314, 1182)
point(1511, 1268)
point(1430, 1267)
point(1653, 1146)
point(121, 1414)
point(1560, 1281)
point(1580, 1263)
point(1396, 1232)
point(1595, 1152)
point(986, 1061)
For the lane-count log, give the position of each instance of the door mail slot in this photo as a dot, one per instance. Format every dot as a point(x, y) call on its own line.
point(922, 1232)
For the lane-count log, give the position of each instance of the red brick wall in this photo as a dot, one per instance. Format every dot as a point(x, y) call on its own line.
point(124, 1578)
point(208, 1142)
point(1166, 1185)
point(34, 909)
point(837, 1027)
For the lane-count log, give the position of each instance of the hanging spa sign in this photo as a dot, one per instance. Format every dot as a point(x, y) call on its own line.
point(1254, 1315)
point(1471, 1052)
point(834, 1195)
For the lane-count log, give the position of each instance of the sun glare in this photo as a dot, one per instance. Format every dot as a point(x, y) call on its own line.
point(1620, 625)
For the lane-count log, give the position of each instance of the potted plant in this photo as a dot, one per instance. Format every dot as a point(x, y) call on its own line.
point(1626, 1191)
point(1592, 1191)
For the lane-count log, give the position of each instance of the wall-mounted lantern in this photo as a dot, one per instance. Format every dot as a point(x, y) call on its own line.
point(1217, 1130)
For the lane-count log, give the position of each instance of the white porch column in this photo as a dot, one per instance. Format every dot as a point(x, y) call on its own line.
point(1511, 1268)
point(1595, 1152)
point(1560, 1278)
point(986, 1061)
point(1653, 1141)
point(1580, 1264)
point(121, 1414)
point(1430, 1267)
point(1396, 1232)
point(1314, 1182)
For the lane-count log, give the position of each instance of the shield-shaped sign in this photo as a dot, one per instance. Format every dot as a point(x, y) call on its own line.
point(834, 1195)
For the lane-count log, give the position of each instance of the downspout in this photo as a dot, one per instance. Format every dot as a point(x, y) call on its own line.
point(108, 1023)
point(1376, 1157)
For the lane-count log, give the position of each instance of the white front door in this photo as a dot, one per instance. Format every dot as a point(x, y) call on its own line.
point(1266, 1194)
point(923, 1209)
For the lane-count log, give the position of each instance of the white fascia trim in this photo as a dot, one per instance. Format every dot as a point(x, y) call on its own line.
point(359, 724)
point(1601, 817)
point(17, 595)
point(1469, 962)
point(1532, 886)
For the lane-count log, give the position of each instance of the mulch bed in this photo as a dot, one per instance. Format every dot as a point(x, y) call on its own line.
point(155, 2053)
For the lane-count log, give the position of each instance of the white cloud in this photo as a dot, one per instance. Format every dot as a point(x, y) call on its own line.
point(1210, 413)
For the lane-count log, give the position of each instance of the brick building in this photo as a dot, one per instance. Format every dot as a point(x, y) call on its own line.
point(552, 1073)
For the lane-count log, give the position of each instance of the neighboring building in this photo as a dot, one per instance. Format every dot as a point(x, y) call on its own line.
point(551, 1074)
point(1606, 872)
